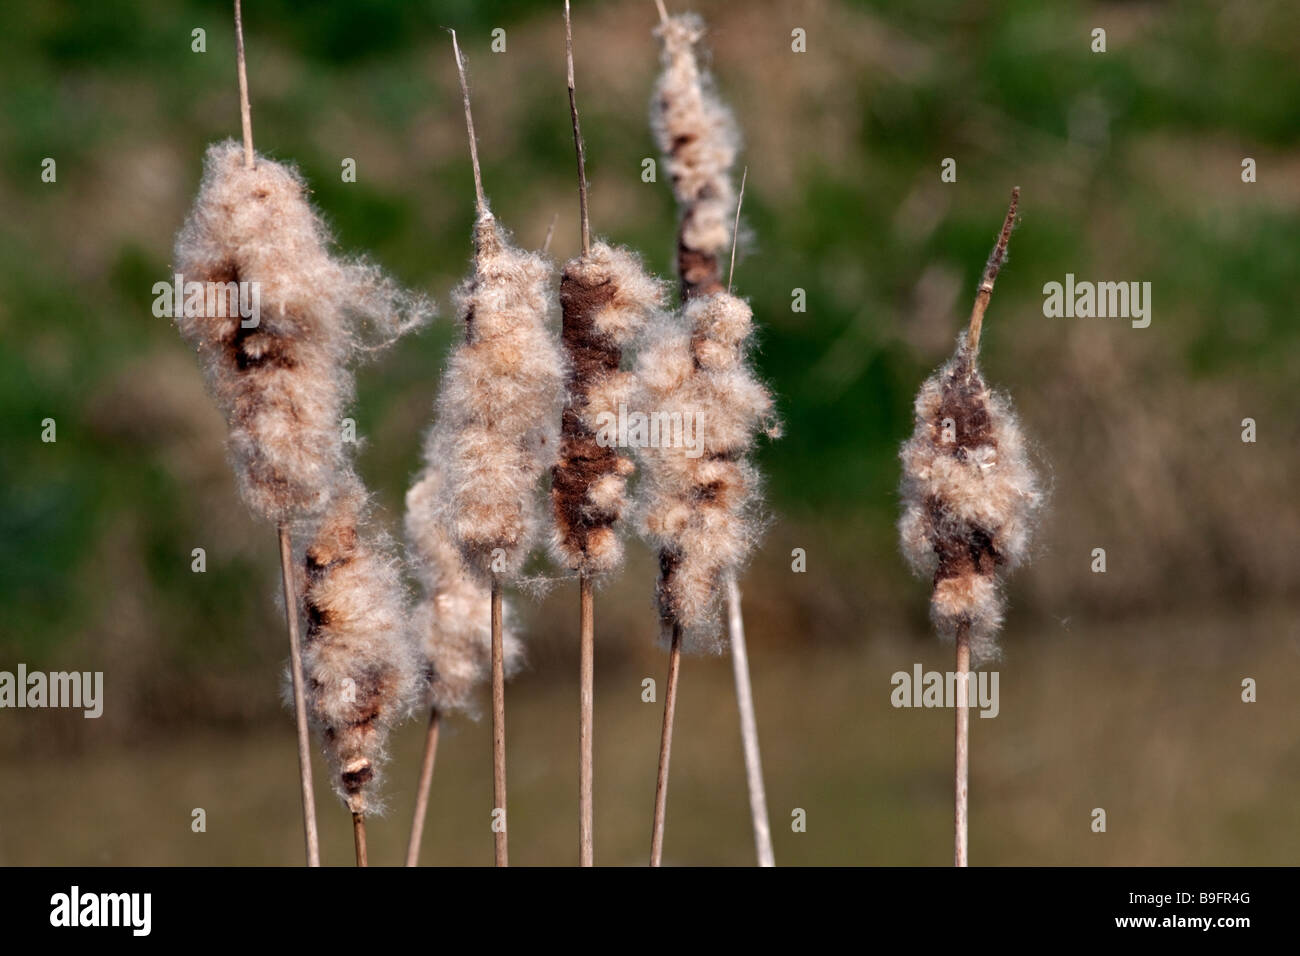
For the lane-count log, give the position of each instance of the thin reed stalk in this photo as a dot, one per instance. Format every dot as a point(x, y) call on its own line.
point(961, 751)
point(245, 109)
point(748, 727)
point(584, 220)
point(422, 791)
point(665, 749)
point(550, 233)
point(586, 615)
point(499, 726)
point(991, 270)
point(740, 665)
point(480, 201)
point(586, 719)
point(310, 833)
point(359, 838)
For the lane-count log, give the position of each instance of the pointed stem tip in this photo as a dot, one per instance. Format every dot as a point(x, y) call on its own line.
point(550, 233)
point(480, 202)
point(735, 229)
point(245, 111)
point(991, 269)
point(577, 134)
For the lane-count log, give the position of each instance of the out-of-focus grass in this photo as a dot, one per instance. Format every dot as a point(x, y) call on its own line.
point(1144, 721)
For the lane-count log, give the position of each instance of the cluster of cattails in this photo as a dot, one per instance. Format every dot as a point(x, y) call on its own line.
point(970, 499)
point(518, 404)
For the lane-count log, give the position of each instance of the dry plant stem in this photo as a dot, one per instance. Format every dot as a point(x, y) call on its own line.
point(498, 724)
point(480, 202)
point(577, 135)
point(245, 111)
point(748, 727)
point(735, 229)
point(740, 660)
point(991, 269)
point(961, 768)
point(586, 720)
point(665, 749)
point(299, 701)
point(422, 794)
point(359, 838)
point(550, 233)
point(587, 638)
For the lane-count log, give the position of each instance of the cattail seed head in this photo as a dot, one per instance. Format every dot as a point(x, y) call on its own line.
point(499, 405)
point(606, 297)
point(702, 511)
point(698, 138)
point(970, 499)
point(970, 494)
point(282, 382)
point(361, 667)
point(453, 622)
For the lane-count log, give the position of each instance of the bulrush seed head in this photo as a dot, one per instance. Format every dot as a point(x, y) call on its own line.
point(703, 511)
point(281, 377)
point(970, 493)
point(606, 298)
point(698, 138)
point(499, 406)
point(453, 621)
point(360, 662)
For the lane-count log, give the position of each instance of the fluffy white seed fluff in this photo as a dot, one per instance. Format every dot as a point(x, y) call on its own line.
point(453, 621)
point(283, 384)
point(698, 138)
point(970, 499)
point(702, 512)
point(606, 297)
point(361, 664)
point(498, 410)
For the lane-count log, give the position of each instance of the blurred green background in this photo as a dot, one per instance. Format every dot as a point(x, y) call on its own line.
point(1119, 690)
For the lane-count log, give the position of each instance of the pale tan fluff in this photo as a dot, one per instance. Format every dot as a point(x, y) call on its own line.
point(498, 410)
point(702, 511)
point(699, 141)
point(606, 297)
point(283, 384)
point(970, 499)
point(453, 621)
point(361, 666)
point(970, 494)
